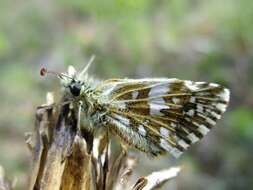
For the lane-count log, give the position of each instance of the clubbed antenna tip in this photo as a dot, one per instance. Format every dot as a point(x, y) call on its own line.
point(43, 71)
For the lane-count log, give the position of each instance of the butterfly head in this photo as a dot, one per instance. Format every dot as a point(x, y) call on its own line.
point(75, 87)
point(74, 82)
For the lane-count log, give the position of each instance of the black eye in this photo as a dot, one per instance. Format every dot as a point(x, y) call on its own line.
point(75, 89)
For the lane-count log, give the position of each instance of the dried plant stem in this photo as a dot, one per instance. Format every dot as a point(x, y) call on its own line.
point(5, 184)
point(67, 157)
point(59, 155)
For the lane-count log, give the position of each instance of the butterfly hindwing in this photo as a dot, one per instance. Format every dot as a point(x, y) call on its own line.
point(162, 115)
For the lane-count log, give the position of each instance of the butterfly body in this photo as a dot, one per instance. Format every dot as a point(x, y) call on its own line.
point(153, 115)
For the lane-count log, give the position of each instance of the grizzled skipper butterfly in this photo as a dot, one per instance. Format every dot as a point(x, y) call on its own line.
point(154, 115)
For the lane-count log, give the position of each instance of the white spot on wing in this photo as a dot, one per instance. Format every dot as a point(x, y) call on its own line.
point(210, 121)
point(158, 90)
point(121, 105)
point(190, 112)
point(173, 125)
point(196, 124)
point(200, 83)
point(193, 137)
point(155, 109)
point(135, 94)
point(174, 151)
point(214, 85)
point(164, 132)
point(216, 115)
point(165, 145)
point(200, 108)
point(142, 130)
point(193, 99)
point(221, 107)
point(183, 144)
point(158, 101)
point(225, 95)
point(109, 90)
point(191, 85)
point(175, 100)
point(203, 129)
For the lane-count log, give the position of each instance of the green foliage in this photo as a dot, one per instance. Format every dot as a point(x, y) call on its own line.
point(241, 122)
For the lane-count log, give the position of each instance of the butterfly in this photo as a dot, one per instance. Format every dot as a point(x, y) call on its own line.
point(154, 115)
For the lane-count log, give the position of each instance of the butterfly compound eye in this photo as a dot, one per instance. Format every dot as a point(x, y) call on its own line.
point(75, 89)
point(43, 71)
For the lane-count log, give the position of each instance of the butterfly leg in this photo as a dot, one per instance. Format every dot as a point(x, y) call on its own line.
point(79, 118)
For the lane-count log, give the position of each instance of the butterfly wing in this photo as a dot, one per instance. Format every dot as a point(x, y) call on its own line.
point(162, 115)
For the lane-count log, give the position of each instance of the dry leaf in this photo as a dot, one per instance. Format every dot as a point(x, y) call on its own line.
point(156, 179)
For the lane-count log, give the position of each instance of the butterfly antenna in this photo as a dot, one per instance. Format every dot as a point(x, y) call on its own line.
point(88, 65)
point(44, 71)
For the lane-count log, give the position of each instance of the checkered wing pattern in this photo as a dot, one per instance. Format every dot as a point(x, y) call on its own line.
point(162, 115)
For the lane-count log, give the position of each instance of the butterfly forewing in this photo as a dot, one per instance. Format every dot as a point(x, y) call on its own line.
point(162, 115)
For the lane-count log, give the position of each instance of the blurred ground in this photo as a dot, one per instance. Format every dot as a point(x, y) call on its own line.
point(186, 39)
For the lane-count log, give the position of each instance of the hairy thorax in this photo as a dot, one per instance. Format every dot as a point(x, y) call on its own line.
point(93, 112)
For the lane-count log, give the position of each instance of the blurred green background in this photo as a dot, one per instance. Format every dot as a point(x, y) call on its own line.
point(187, 39)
